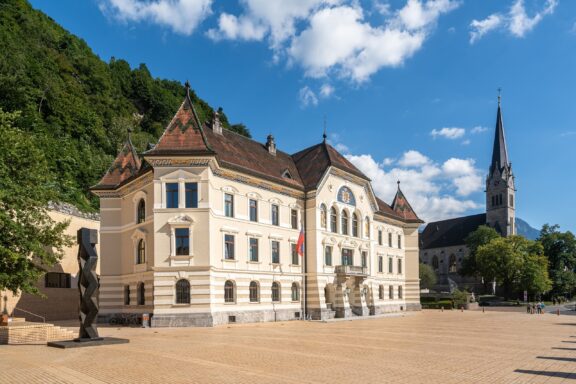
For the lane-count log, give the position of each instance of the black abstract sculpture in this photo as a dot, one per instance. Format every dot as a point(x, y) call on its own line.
point(88, 286)
point(88, 283)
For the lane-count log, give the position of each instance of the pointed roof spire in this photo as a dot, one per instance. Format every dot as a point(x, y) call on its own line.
point(184, 135)
point(126, 165)
point(402, 207)
point(499, 151)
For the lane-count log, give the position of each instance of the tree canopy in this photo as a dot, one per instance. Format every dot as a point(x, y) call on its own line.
point(30, 240)
point(78, 106)
point(427, 276)
point(560, 247)
point(481, 236)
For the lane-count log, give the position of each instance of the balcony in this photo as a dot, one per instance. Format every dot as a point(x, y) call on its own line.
point(351, 270)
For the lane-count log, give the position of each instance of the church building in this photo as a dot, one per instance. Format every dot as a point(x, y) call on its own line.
point(204, 228)
point(442, 243)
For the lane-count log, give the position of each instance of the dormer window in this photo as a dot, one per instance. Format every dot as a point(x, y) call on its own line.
point(286, 174)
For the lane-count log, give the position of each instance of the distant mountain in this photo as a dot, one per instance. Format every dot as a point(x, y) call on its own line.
point(77, 107)
point(524, 229)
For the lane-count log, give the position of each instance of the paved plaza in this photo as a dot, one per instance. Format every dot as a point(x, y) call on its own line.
point(426, 347)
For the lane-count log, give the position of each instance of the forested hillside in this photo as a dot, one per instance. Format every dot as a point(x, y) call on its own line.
point(77, 107)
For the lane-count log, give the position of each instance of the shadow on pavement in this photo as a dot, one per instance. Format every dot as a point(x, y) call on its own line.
point(565, 375)
point(571, 359)
point(564, 349)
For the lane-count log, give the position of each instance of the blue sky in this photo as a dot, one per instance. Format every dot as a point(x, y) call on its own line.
point(408, 87)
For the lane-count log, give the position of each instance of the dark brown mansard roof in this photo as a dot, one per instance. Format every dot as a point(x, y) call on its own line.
point(451, 232)
point(185, 136)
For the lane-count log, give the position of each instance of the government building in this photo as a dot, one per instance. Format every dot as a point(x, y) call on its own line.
point(443, 243)
point(203, 229)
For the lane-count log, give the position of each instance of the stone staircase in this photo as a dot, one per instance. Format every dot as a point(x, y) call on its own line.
point(19, 331)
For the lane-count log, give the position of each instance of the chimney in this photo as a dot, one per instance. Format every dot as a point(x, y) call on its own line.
point(271, 145)
point(216, 125)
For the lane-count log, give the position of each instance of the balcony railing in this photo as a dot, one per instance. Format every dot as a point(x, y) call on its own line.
point(351, 270)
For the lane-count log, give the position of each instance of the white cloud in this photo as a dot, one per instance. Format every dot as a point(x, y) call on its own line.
point(182, 16)
point(516, 21)
point(328, 37)
point(307, 97)
point(413, 158)
point(521, 23)
point(326, 90)
point(236, 28)
point(482, 27)
point(466, 142)
point(435, 191)
point(449, 133)
point(568, 133)
point(479, 129)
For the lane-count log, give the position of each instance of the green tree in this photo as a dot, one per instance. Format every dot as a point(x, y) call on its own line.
point(30, 241)
point(560, 248)
point(427, 276)
point(481, 236)
point(515, 263)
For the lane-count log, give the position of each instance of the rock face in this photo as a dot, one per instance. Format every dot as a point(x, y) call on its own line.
point(526, 230)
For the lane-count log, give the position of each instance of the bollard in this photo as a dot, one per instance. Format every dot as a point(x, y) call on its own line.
point(482, 309)
point(461, 308)
point(442, 308)
point(558, 311)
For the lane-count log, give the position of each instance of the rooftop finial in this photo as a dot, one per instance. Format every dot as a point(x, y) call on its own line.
point(324, 136)
point(499, 95)
point(398, 182)
point(187, 86)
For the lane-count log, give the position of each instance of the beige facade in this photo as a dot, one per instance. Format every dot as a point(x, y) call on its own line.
point(200, 237)
point(59, 298)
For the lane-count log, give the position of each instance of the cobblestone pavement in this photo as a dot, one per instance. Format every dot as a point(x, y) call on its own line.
point(426, 347)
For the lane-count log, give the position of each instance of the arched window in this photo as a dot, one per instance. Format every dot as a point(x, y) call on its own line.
point(452, 265)
point(435, 262)
point(344, 222)
point(400, 293)
point(367, 227)
point(333, 220)
point(182, 292)
point(141, 294)
point(141, 212)
point(355, 225)
point(323, 216)
point(275, 291)
point(295, 292)
point(254, 292)
point(141, 254)
point(229, 296)
point(381, 292)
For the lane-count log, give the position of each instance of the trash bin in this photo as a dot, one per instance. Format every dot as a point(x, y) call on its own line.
point(145, 320)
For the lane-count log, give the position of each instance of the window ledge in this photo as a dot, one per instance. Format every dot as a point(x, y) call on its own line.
point(180, 305)
point(229, 260)
point(276, 264)
point(181, 257)
point(225, 303)
point(253, 262)
point(294, 265)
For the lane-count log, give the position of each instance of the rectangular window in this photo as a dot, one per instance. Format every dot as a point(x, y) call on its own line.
point(182, 241)
point(390, 265)
point(294, 218)
point(191, 194)
point(253, 249)
point(379, 237)
point(364, 259)
point(253, 210)
point(400, 294)
point(295, 256)
point(275, 252)
point(275, 215)
point(390, 240)
point(390, 292)
point(57, 280)
point(399, 241)
point(347, 257)
point(126, 295)
point(328, 255)
point(171, 195)
point(511, 200)
point(380, 264)
point(399, 266)
point(228, 205)
point(229, 247)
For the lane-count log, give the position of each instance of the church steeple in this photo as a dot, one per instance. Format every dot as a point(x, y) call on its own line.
point(499, 151)
point(500, 189)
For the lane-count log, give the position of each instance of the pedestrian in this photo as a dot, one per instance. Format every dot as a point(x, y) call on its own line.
point(542, 306)
point(533, 308)
point(528, 308)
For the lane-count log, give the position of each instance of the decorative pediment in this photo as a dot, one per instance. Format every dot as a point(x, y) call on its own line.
point(348, 244)
point(181, 219)
point(139, 234)
point(180, 174)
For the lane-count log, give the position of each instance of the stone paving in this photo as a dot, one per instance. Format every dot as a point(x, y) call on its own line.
point(426, 347)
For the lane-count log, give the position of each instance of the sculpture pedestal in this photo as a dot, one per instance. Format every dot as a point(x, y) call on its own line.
point(80, 343)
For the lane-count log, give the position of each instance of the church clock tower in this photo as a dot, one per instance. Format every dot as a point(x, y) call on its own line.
point(500, 191)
